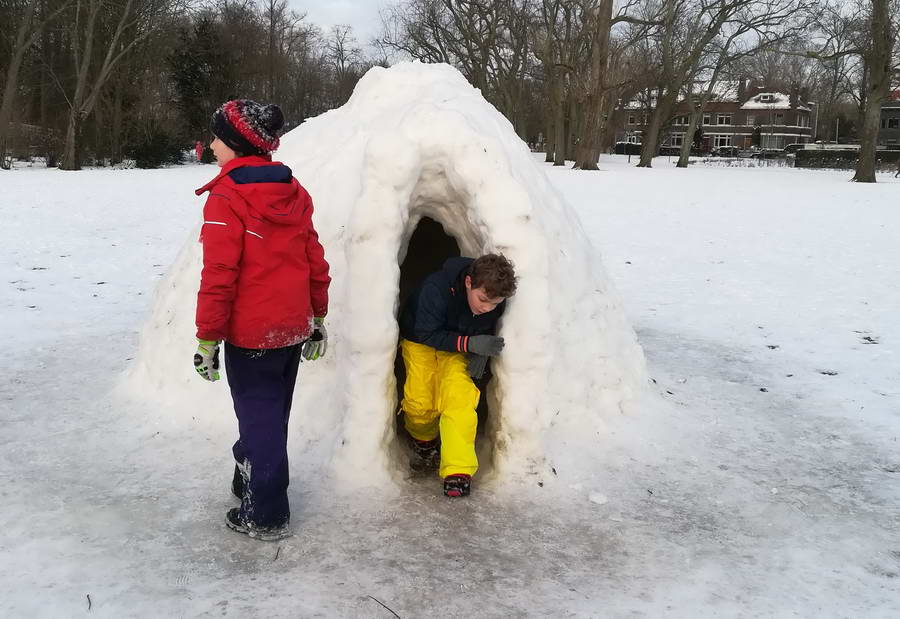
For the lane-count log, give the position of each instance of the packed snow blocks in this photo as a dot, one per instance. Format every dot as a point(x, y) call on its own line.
point(418, 154)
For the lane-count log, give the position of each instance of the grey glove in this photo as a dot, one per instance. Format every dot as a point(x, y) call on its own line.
point(476, 365)
point(488, 345)
point(315, 347)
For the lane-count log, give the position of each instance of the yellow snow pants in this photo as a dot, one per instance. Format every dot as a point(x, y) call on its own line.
point(440, 397)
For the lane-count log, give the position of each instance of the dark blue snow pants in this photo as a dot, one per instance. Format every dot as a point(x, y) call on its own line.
point(262, 386)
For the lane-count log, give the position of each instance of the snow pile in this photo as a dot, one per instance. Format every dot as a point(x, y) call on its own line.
point(418, 141)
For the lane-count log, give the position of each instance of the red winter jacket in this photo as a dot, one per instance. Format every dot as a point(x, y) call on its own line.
point(264, 271)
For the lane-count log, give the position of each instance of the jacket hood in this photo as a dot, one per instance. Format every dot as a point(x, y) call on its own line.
point(455, 267)
point(269, 187)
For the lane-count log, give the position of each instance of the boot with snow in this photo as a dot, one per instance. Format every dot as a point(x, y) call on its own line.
point(238, 485)
point(426, 455)
point(457, 485)
point(234, 522)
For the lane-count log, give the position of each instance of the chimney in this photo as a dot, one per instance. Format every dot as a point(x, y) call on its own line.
point(795, 95)
point(742, 89)
point(754, 89)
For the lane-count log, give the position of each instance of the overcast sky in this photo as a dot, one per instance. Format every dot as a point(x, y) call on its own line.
point(362, 15)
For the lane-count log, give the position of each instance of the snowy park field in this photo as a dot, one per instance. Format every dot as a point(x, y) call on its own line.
point(760, 476)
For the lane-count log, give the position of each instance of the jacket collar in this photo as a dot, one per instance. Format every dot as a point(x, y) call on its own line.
point(237, 162)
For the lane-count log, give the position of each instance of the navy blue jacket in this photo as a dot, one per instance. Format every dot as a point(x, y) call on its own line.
point(437, 313)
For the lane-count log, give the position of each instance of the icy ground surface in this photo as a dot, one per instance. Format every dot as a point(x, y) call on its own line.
point(763, 480)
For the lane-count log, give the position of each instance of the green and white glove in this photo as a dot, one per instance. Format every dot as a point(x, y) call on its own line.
point(206, 359)
point(317, 343)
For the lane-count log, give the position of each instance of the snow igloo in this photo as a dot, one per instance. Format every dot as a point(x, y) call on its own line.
point(416, 167)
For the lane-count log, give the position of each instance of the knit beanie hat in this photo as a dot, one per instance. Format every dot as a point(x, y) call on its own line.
point(248, 127)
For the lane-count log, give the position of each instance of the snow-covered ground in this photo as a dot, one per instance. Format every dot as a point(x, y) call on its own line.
point(762, 481)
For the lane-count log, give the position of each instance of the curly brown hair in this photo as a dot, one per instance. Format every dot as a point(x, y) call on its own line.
point(495, 274)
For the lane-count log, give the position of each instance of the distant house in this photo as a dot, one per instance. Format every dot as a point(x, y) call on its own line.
point(731, 119)
point(889, 132)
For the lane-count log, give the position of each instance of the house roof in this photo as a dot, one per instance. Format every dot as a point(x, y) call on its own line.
point(777, 101)
point(724, 91)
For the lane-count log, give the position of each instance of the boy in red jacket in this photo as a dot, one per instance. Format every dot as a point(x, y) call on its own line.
point(264, 292)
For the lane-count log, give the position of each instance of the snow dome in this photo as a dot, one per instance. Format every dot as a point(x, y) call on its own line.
point(415, 168)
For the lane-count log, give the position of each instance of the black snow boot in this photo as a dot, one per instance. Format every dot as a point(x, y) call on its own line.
point(426, 455)
point(457, 485)
point(234, 522)
point(238, 485)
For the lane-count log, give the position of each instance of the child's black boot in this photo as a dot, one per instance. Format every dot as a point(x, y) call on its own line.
point(426, 455)
point(457, 485)
point(234, 522)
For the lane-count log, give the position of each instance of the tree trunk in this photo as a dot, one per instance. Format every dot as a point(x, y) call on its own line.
point(607, 137)
point(879, 72)
point(548, 141)
point(573, 129)
point(592, 136)
point(70, 157)
point(559, 126)
point(115, 155)
point(550, 119)
point(49, 142)
point(665, 104)
point(648, 142)
point(20, 46)
point(684, 157)
point(865, 166)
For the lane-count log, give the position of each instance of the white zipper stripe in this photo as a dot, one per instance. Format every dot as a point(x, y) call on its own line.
point(218, 223)
point(253, 233)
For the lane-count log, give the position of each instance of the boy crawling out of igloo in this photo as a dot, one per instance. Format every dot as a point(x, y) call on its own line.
point(447, 329)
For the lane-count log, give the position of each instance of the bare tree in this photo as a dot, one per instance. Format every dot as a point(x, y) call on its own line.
point(282, 27)
point(749, 33)
point(873, 26)
point(835, 77)
point(101, 34)
point(878, 57)
point(559, 43)
point(599, 81)
point(345, 58)
point(690, 28)
point(696, 102)
point(32, 16)
point(488, 40)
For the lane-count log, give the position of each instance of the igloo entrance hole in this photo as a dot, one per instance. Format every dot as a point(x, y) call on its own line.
point(429, 247)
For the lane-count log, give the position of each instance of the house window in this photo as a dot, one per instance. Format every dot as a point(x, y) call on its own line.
point(765, 98)
point(707, 119)
point(751, 120)
point(634, 138)
point(779, 118)
point(632, 120)
point(681, 120)
point(893, 123)
point(722, 140)
point(723, 119)
point(676, 139)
